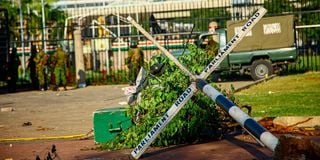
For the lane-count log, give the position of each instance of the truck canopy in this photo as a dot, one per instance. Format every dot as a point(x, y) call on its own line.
point(268, 33)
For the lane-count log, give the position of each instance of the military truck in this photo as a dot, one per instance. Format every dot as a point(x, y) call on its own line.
point(264, 51)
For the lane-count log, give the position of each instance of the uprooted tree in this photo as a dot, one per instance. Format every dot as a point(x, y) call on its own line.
point(198, 120)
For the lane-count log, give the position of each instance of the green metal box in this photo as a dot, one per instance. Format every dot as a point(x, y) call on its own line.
point(108, 122)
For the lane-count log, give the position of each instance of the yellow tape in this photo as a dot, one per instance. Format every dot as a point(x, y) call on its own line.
point(42, 138)
point(309, 129)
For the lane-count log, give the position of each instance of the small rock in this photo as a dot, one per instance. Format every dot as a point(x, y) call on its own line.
point(270, 92)
point(27, 124)
point(123, 103)
point(7, 109)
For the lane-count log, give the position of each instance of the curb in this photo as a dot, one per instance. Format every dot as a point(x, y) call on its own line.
point(255, 83)
point(294, 121)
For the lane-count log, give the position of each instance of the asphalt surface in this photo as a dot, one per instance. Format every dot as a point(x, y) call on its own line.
point(40, 114)
point(240, 147)
point(43, 114)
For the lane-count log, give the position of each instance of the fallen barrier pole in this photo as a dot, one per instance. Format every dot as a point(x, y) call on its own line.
point(188, 93)
point(253, 127)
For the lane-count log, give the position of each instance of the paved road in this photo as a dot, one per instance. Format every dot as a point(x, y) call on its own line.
point(63, 113)
point(55, 113)
point(240, 147)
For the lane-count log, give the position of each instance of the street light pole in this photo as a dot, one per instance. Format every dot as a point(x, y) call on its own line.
point(22, 41)
point(44, 47)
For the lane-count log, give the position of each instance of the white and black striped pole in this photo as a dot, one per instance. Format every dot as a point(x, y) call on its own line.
point(253, 127)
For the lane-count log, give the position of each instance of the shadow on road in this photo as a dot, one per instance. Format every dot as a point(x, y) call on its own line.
point(233, 77)
point(249, 147)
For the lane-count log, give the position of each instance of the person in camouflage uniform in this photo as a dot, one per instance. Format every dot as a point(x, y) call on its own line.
point(59, 62)
point(212, 48)
point(213, 41)
point(134, 61)
point(41, 60)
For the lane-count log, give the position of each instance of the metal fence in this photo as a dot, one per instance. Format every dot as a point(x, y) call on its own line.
point(106, 36)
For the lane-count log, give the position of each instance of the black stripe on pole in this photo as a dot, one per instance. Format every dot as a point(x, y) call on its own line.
point(254, 128)
point(225, 103)
point(201, 83)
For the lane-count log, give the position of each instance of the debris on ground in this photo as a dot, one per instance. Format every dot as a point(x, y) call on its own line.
point(27, 124)
point(291, 129)
point(296, 148)
point(89, 135)
point(7, 109)
point(40, 128)
point(293, 145)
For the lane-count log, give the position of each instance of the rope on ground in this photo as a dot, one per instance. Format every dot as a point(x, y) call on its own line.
point(44, 138)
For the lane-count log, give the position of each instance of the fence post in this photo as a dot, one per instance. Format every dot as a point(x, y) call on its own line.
point(80, 71)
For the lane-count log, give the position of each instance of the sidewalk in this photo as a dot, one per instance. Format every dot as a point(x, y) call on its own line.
point(41, 114)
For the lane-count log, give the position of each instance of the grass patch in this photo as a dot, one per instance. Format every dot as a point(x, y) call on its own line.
point(293, 95)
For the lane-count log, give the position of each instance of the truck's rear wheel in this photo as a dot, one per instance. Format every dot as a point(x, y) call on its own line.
point(260, 68)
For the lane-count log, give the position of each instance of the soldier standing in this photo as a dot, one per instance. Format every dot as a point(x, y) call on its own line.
point(59, 62)
point(134, 61)
point(41, 60)
point(212, 47)
point(213, 41)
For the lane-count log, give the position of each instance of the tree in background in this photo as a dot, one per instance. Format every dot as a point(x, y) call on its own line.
point(278, 7)
point(13, 12)
point(32, 18)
